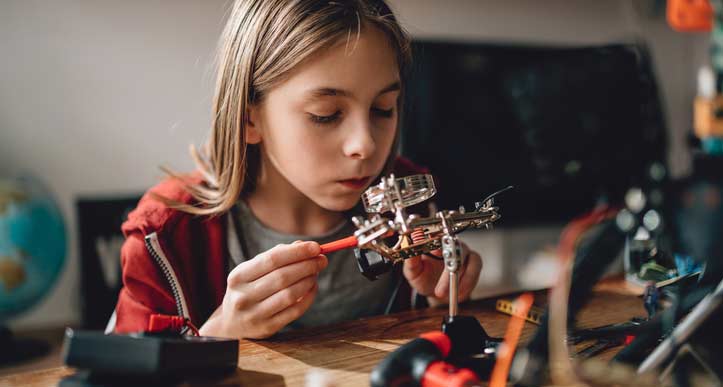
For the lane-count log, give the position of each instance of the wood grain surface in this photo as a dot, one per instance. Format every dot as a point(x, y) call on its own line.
point(344, 354)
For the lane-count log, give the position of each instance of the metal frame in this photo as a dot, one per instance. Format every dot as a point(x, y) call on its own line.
point(419, 235)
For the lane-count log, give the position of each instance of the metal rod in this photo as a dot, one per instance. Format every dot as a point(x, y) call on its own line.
point(685, 328)
point(453, 293)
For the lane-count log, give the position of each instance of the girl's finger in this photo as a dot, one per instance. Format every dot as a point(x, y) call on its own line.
point(471, 275)
point(442, 288)
point(465, 249)
point(413, 268)
point(293, 312)
point(272, 259)
point(284, 298)
point(437, 253)
point(284, 277)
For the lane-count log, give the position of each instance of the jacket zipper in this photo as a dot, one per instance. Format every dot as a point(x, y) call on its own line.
point(154, 249)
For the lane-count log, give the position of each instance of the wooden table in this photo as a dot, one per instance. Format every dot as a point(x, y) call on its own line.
point(347, 352)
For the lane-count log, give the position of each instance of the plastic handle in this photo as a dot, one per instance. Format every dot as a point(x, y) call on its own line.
point(340, 244)
point(442, 374)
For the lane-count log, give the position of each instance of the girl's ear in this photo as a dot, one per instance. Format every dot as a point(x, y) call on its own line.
point(253, 132)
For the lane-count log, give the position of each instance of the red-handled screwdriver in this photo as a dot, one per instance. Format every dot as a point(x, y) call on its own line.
point(341, 244)
point(345, 243)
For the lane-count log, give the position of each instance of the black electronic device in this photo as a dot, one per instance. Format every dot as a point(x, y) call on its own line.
point(165, 357)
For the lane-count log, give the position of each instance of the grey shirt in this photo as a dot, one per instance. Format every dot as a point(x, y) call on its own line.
point(344, 294)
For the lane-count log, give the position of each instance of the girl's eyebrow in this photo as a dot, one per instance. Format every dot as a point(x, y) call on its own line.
point(329, 91)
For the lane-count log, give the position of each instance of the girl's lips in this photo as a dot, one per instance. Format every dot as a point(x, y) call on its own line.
point(355, 183)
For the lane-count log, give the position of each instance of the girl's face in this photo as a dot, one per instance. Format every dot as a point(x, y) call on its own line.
point(327, 130)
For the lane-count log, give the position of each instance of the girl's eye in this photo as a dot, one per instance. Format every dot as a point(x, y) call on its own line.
point(383, 113)
point(324, 119)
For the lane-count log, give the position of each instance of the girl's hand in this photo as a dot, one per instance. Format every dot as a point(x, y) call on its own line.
point(266, 293)
point(429, 277)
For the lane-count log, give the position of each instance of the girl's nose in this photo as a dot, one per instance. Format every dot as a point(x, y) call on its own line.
point(359, 143)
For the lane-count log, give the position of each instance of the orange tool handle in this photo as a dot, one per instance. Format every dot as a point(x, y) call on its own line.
point(341, 244)
point(345, 243)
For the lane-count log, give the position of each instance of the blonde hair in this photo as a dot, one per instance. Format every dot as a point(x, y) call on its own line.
point(263, 41)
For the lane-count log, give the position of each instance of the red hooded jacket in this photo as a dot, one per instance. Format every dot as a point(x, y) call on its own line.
point(175, 263)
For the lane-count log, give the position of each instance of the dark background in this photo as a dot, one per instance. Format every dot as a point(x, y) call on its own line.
point(565, 126)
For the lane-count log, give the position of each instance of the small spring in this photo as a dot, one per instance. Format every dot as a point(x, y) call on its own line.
point(418, 235)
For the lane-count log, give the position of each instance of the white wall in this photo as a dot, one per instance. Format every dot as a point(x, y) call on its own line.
point(95, 94)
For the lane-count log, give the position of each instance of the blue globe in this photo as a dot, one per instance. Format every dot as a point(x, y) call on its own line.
point(32, 245)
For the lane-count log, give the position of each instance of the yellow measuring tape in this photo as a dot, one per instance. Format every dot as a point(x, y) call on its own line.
point(508, 307)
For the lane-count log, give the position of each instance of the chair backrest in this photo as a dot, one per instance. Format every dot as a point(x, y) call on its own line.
point(99, 222)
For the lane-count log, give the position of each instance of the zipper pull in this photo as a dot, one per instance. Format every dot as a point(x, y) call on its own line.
point(169, 323)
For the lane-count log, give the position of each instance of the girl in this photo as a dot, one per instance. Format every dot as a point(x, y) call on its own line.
point(305, 118)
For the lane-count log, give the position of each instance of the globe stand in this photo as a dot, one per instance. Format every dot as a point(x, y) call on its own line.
point(17, 350)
